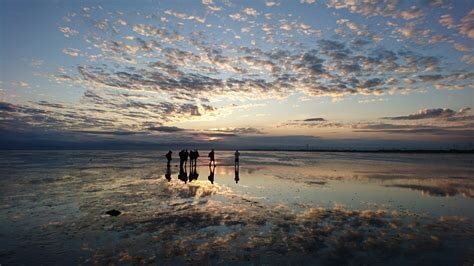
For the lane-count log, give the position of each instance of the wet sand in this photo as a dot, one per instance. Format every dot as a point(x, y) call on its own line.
point(318, 208)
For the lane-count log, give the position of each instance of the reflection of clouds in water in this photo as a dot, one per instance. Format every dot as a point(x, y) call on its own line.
point(445, 187)
point(444, 191)
point(195, 190)
point(429, 183)
point(273, 232)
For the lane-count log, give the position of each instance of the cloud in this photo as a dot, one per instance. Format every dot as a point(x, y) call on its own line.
point(426, 114)
point(367, 8)
point(68, 32)
point(313, 122)
point(121, 22)
point(48, 104)
point(314, 119)
point(36, 62)
point(184, 16)
point(73, 52)
point(447, 21)
point(115, 133)
point(166, 129)
point(7, 107)
point(239, 130)
point(428, 78)
point(468, 59)
point(431, 113)
point(167, 68)
point(250, 11)
point(271, 3)
point(463, 47)
point(237, 17)
point(448, 132)
point(466, 26)
point(22, 84)
point(412, 13)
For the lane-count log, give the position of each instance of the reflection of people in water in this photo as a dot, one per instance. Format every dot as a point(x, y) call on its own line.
point(196, 156)
point(185, 157)
point(236, 174)
point(193, 174)
point(211, 158)
point(168, 157)
point(211, 173)
point(237, 155)
point(183, 176)
point(168, 172)
point(191, 157)
point(181, 158)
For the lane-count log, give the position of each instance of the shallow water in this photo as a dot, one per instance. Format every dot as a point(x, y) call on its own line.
point(287, 207)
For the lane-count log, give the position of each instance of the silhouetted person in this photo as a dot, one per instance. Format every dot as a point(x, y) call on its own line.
point(211, 158)
point(183, 175)
point(236, 175)
point(168, 172)
point(211, 174)
point(237, 155)
point(168, 157)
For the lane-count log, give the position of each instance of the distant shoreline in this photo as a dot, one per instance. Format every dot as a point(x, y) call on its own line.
point(413, 151)
point(369, 151)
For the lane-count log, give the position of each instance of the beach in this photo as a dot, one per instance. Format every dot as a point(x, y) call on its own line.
point(279, 207)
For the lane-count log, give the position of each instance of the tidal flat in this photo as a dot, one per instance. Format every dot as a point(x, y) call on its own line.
point(277, 207)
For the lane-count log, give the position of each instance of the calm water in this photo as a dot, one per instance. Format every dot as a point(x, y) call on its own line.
point(285, 207)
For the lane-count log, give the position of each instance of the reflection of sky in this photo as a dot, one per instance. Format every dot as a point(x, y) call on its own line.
point(435, 184)
point(245, 68)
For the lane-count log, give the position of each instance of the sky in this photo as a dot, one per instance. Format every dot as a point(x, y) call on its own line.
point(237, 74)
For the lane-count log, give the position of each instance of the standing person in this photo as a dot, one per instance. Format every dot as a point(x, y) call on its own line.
point(237, 155)
point(211, 158)
point(168, 157)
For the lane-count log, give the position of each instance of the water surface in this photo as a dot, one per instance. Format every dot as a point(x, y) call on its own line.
point(286, 207)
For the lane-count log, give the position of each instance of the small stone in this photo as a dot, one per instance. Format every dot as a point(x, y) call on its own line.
point(113, 212)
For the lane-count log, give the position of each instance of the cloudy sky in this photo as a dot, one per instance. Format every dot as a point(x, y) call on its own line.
point(228, 73)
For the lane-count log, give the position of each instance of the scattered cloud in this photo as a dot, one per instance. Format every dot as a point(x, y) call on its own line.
point(71, 52)
point(167, 129)
point(466, 26)
point(427, 114)
point(468, 59)
point(68, 32)
point(270, 3)
point(21, 84)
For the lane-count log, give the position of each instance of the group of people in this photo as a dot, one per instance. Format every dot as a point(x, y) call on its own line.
point(183, 157)
point(193, 156)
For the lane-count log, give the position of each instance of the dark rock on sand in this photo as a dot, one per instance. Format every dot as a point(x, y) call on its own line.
point(113, 212)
